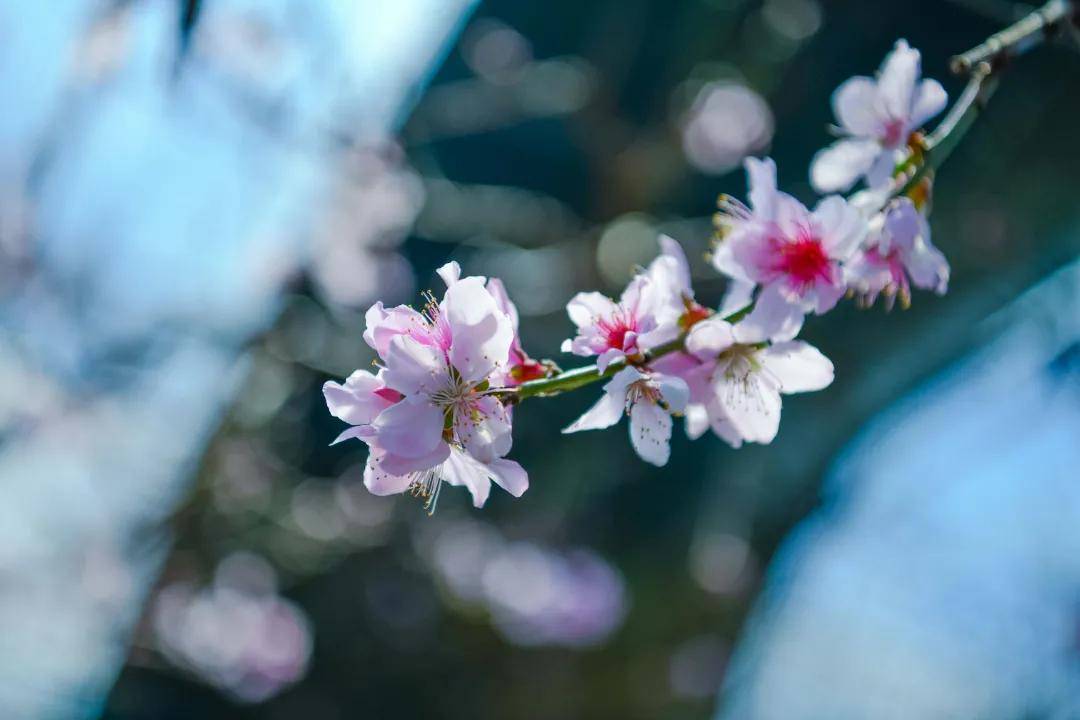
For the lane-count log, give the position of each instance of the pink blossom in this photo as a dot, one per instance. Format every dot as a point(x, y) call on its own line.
point(897, 248)
point(673, 304)
point(877, 116)
point(611, 330)
point(426, 416)
point(795, 255)
point(736, 376)
point(649, 399)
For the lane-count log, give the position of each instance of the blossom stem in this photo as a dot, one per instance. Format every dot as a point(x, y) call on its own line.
point(579, 377)
point(1042, 24)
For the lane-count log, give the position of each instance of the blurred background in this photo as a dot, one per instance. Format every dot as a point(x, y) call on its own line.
point(198, 200)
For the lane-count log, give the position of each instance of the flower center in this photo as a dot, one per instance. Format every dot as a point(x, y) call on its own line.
point(616, 328)
point(802, 260)
point(893, 133)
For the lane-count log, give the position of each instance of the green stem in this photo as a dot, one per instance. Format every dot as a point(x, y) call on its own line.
point(587, 375)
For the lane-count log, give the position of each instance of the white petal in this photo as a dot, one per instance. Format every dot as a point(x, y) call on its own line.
point(696, 421)
point(753, 407)
point(896, 83)
point(412, 367)
point(461, 469)
point(880, 173)
point(650, 432)
point(383, 325)
point(738, 295)
point(673, 390)
point(380, 482)
point(773, 318)
point(484, 430)
point(607, 357)
point(607, 411)
point(837, 167)
point(842, 227)
point(481, 333)
point(854, 104)
point(669, 247)
point(412, 428)
point(797, 366)
point(450, 273)
point(761, 177)
point(721, 424)
point(903, 224)
point(510, 476)
point(358, 432)
point(725, 262)
point(585, 307)
point(709, 338)
point(930, 99)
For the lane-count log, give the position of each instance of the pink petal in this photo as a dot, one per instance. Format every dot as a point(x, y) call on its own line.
point(380, 482)
point(412, 428)
point(383, 325)
point(397, 465)
point(450, 273)
point(356, 402)
point(461, 469)
point(412, 367)
point(484, 429)
point(481, 334)
point(584, 308)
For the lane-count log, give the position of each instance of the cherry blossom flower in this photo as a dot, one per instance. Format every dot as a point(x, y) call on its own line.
point(612, 330)
point(898, 248)
point(425, 416)
point(795, 255)
point(736, 376)
point(877, 117)
point(649, 399)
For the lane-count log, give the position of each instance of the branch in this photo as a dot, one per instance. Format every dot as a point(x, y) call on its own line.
point(1043, 24)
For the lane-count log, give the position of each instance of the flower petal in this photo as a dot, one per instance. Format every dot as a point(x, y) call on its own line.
point(380, 482)
point(696, 421)
point(709, 338)
point(607, 357)
point(384, 325)
point(930, 99)
point(674, 391)
point(842, 227)
point(773, 318)
point(412, 367)
point(797, 366)
point(607, 411)
point(752, 406)
point(461, 469)
point(510, 476)
point(484, 429)
point(359, 432)
point(650, 432)
point(761, 177)
point(896, 82)
point(738, 295)
point(502, 300)
point(854, 104)
point(585, 307)
point(450, 273)
point(397, 465)
point(412, 428)
point(481, 334)
point(355, 401)
point(837, 167)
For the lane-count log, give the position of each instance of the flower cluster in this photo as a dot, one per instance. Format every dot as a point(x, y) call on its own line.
point(440, 406)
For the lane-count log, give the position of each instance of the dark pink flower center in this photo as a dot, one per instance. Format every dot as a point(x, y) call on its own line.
point(802, 260)
point(616, 328)
point(894, 133)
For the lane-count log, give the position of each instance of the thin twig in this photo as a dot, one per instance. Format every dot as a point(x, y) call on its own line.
point(1044, 23)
